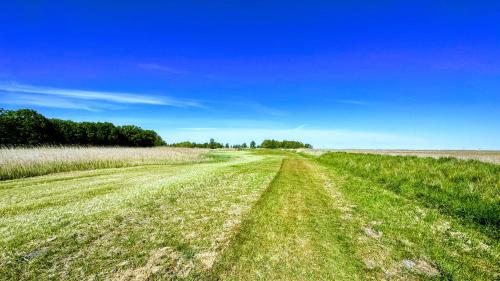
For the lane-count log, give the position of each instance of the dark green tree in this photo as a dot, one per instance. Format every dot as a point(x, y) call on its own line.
point(25, 127)
point(284, 144)
point(212, 144)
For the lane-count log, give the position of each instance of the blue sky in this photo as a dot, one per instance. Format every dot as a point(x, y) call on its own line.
point(339, 74)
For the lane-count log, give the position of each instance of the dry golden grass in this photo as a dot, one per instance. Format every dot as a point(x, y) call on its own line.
point(25, 162)
point(491, 156)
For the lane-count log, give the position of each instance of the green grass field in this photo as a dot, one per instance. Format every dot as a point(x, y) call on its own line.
point(253, 215)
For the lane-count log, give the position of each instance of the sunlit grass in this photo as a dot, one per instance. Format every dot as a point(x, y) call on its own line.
point(127, 223)
point(27, 162)
point(255, 215)
point(295, 232)
point(468, 190)
point(480, 155)
point(406, 230)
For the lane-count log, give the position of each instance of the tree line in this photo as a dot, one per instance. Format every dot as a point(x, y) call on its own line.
point(212, 144)
point(270, 144)
point(26, 127)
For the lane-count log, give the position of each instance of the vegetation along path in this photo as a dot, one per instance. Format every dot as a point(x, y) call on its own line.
point(259, 215)
point(295, 231)
point(320, 219)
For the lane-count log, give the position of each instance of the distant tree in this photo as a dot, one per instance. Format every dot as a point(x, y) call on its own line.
point(252, 144)
point(116, 137)
point(212, 144)
point(69, 132)
point(25, 127)
point(244, 145)
point(182, 144)
point(159, 141)
point(269, 144)
point(284, 144)
point(227, 145)
point(133, 135)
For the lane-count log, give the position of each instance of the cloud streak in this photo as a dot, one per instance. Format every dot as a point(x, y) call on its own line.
point(354, 102)
point(22, 99)
point(261, 108)
point(160, 68)
point(79, 96)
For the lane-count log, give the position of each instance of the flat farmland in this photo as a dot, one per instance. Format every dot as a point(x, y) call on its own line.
point(491, 156)
point(249, 215)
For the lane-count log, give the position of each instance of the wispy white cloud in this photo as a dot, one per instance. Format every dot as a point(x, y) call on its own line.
point(160, 68)
point(354, 102)
point(23, 99)
point(261, 108)
point(79, 96)
point(300, 127)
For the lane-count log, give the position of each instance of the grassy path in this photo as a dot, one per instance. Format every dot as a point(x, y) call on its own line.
point(321, 222)
point(294, 232)
point(247, 216)
point(127, 223)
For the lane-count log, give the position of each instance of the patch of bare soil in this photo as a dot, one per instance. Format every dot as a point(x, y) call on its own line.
point(372, 233)
point(421, 267)
point(159, 260)
point(207, 259)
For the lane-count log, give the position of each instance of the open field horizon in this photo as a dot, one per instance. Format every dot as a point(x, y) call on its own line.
point(253, 214)
point(18, 162)
point(492, 156)
point(250, 140)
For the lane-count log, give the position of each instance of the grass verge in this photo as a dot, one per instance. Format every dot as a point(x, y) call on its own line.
point(467, 190)
point(403, 236)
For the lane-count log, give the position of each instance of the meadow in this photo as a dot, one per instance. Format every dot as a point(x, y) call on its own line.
point(491, 156)
point(256, 214)
point(27, 162)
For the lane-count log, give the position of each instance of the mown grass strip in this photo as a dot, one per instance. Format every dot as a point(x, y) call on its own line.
point(164, 222)
point(294, 232)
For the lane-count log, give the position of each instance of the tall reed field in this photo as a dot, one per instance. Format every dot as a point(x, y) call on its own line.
point(469, 190)
point(27, 162)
